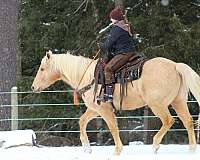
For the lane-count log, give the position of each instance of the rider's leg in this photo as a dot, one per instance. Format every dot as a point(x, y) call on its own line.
point(111, 67)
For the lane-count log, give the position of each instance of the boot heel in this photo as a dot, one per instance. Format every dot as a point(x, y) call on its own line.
point(100, 99)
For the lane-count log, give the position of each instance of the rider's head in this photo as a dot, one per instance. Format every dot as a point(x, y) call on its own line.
point(116, 15)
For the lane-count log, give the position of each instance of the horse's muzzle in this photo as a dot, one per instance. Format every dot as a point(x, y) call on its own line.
point(36, 90)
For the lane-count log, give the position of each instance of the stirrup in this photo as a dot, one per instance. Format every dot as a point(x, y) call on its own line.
point(109, 99)
point(104, 98)
point(100, 99)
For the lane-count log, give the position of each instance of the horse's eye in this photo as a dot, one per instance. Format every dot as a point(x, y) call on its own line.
point(42, 69)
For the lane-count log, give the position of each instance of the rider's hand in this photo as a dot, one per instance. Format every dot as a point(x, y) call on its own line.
point(98, 45)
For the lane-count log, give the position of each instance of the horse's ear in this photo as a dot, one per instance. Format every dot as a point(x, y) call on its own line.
point(48, 54)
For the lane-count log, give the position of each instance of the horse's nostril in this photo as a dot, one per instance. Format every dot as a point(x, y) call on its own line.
point(32, 87)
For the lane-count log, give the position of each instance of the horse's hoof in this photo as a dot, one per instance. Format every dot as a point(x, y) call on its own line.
point(118, 150)
point(192, 148)
point(88, 150)
point(155, 148)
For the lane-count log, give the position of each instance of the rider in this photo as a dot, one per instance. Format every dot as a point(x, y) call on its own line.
point(117, 48)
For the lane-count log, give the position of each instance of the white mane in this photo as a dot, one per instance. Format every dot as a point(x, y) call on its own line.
point(72, 68)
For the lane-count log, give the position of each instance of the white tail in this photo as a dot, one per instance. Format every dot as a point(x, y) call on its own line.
point(193, 83)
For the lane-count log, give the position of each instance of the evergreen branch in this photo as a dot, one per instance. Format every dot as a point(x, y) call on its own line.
point(85, 1)
point(154, 47)
point(86, 5)
point(140, 2)
point(196, 4)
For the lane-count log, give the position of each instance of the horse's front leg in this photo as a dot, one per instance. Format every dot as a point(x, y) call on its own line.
point(84, 119)
point(107, 114)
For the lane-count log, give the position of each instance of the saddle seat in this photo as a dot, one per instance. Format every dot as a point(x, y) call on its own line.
point(132, 70)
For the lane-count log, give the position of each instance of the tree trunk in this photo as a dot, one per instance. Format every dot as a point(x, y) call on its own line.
point(8, 49)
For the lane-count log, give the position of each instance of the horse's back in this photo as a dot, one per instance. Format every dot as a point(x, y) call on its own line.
point(158, 65)
point(160, 60)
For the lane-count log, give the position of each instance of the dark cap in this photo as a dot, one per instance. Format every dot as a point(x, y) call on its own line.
point(117, 14)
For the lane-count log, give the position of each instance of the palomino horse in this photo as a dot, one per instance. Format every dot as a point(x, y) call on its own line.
point(163, 82)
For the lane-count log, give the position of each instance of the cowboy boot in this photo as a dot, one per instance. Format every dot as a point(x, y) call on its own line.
point(109, 93)
point(101, 97)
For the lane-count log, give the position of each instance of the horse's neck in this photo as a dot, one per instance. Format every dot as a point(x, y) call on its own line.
point(72, 69)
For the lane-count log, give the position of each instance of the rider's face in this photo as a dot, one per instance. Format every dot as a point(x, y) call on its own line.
point(113, 20)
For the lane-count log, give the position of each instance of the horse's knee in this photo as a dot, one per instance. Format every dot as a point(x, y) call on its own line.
point(114, 130)
point(171, 121)
point(81, 122)
point(168, 122)
point(188, 123)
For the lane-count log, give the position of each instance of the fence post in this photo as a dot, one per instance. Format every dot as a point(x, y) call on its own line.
point(146, 127)
point(14, 108)
point(99, 125)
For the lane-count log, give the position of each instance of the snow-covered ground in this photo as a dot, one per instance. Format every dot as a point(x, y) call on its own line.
point(133, 152)
point(12, 148)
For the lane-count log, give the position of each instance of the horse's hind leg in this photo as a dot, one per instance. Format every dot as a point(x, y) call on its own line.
point(182, 111)
point(84, 119)
point(167, 121)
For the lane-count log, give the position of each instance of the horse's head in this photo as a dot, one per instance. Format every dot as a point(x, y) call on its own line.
point(46, 75)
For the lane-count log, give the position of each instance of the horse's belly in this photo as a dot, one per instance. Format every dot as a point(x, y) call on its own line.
point(132, 99)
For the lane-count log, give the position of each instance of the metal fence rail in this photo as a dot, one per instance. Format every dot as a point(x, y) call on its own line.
point(95, 131)
point(14, 116)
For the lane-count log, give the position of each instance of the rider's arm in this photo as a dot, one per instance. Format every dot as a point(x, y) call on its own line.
point(111, 39)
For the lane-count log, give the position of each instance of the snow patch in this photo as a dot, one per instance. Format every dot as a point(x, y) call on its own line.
point(16, 138)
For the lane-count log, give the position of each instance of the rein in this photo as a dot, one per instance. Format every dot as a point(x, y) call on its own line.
point(84, 89)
